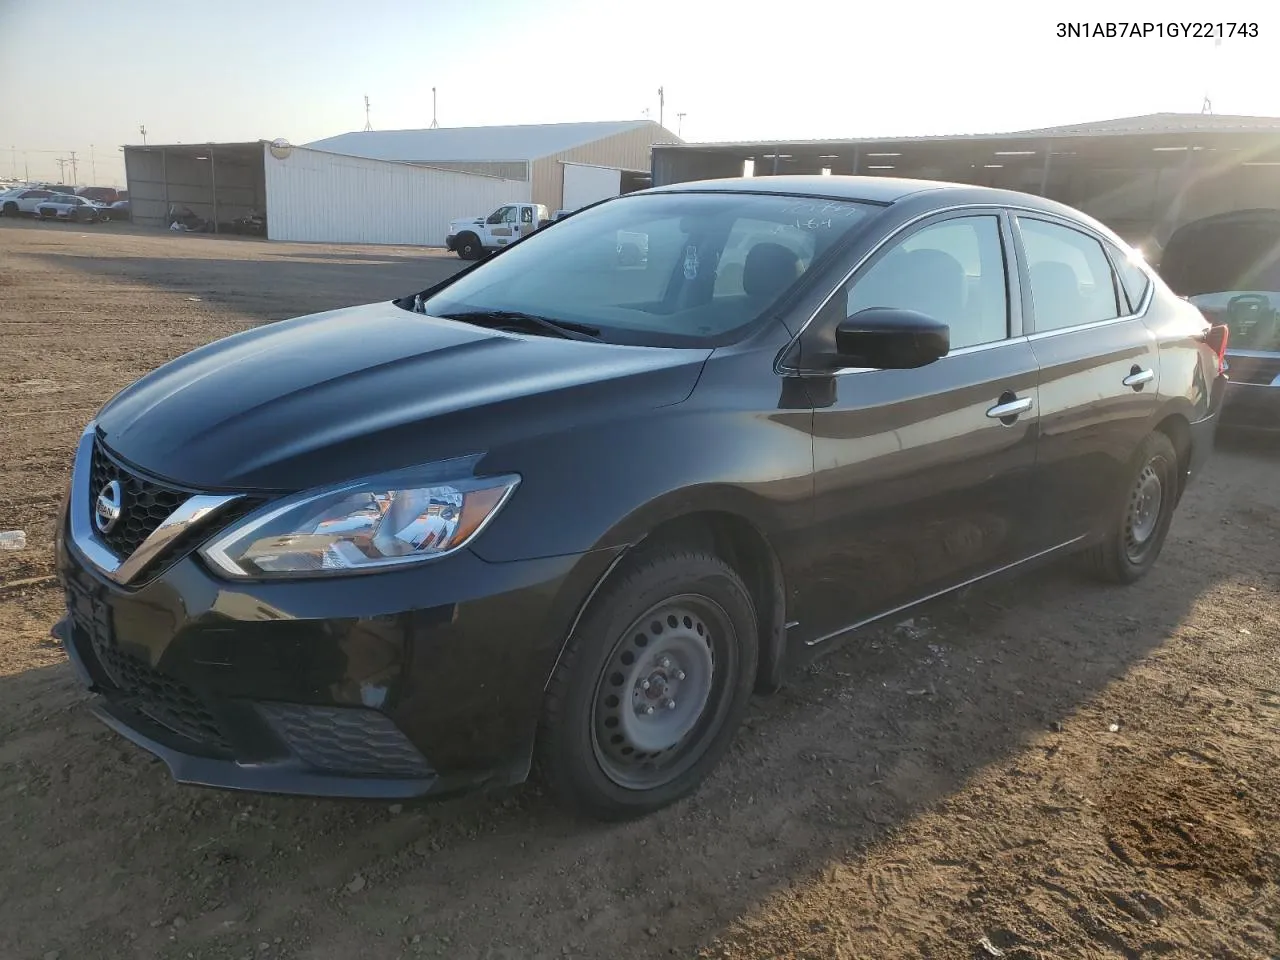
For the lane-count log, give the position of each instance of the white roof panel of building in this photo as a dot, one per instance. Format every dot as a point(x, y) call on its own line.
point(524, 142)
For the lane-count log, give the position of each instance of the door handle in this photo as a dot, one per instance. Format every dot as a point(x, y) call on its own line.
point(1009, 408)
point(1137, 377)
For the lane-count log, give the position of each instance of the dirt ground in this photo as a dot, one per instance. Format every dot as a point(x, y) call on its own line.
point(1040, 768)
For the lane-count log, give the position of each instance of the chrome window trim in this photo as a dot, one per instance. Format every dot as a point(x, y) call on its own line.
point(195, 511)
point(979, 209)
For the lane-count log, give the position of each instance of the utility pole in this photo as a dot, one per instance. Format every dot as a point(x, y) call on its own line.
point(434, 123)
point(142, 128)
point(679, 123)
point(661, 105)
point(75, 177)
point(93, 165)
point(367, 124)
point(62, 169)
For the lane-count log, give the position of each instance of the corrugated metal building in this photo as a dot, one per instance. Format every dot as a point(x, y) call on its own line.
point(1142, 176)
point(567, 165)
point(307, 194)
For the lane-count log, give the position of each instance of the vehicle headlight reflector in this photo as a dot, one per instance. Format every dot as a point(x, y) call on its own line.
point(374, 524)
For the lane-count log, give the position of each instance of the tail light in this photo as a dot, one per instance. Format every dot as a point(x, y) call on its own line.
point(1216, 337)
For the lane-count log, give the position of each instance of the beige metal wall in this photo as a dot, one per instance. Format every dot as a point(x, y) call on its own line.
point(626, 151)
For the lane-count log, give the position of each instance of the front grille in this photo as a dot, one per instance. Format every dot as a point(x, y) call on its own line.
point(1261, 370)
point(347, 740)
point(144, 503)
point(134, 683)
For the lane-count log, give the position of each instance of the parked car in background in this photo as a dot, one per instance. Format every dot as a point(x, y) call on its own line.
point(116, 211)
point(65, 206)
point(1227, 266)
point(103, 195)
point(22, 200)
point(562, 508)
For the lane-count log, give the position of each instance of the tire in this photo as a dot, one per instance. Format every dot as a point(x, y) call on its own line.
point(1139, 526)
point(11, 209)
point(674, 621)
point(469, 247)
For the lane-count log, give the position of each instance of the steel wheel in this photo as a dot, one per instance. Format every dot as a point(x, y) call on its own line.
point(660, 687)
point(1143, 515)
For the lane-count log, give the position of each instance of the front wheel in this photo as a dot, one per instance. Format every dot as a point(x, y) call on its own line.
point(11, 209)
point(469, 247)
point(651, 687)
point(1140, 524)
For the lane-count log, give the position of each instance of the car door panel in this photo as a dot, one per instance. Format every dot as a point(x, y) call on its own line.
point(1100, 376)
point(919, 484)
point(916, 488)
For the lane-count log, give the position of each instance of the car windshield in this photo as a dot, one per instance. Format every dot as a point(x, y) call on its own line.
point(660, 269)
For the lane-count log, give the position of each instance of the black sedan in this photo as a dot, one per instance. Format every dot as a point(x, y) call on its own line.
point(561, 509)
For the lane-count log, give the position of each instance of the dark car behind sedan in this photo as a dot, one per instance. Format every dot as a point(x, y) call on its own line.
point(562, 508)
point(1227, 265)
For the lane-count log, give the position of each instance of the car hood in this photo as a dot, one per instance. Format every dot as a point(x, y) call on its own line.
point(347, 393)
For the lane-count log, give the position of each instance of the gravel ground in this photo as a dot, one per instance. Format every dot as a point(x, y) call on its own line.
point(1037, 768)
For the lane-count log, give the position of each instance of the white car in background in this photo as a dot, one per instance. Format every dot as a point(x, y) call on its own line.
point(22, 200)
point(66, 206)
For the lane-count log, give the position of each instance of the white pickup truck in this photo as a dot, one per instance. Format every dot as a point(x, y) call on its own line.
point(472, 237)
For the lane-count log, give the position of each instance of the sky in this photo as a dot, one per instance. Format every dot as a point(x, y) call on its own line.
point(235, 70)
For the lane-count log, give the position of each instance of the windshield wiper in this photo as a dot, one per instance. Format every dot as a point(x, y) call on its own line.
point(563, 328)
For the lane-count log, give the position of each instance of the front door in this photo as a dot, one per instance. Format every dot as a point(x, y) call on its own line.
point(500, 225)
point(923, 477)
point(1100, 373)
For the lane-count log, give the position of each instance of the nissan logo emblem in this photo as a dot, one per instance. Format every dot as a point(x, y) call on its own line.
point(106, 509)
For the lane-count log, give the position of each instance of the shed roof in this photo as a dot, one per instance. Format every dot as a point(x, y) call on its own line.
point(521, 142)
point(1153, 123)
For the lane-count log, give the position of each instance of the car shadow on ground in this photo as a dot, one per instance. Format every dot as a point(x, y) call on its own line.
point(865, 739)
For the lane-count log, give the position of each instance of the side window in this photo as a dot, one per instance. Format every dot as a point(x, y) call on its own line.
point(502, 215)
point(526, 214)
point(953, 271)
point(1133, 279)
point(1071, 278)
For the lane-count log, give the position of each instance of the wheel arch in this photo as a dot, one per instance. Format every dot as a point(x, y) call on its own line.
point(738, 540)
point(1177, 428)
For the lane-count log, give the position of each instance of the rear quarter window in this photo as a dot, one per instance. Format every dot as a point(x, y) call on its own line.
point(1133, 278)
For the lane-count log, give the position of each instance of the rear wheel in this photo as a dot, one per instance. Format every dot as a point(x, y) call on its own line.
point(469, 247)
point(1139, 526)
point(651, 686)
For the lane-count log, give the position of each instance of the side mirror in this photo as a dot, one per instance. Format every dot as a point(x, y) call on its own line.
point(886, 338)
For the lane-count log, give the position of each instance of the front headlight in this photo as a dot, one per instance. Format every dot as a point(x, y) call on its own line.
point(386, 521)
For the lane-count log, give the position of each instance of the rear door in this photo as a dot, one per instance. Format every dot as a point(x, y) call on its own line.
point(1099, 372)
point(922, 478)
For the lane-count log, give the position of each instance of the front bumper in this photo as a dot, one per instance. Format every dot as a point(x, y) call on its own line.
point(425, 680)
